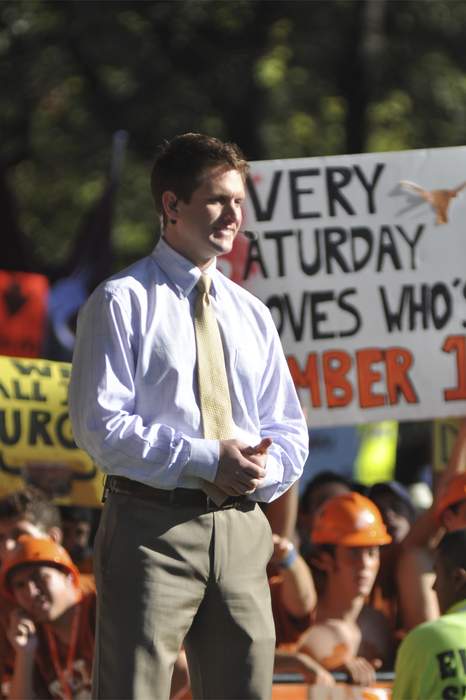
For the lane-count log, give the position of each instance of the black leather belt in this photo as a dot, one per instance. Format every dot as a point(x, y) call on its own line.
point(181, 498)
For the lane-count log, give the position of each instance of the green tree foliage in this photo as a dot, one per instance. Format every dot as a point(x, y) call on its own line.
point(281, 78)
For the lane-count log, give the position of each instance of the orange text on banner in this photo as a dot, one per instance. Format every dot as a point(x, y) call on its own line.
point(389, 367)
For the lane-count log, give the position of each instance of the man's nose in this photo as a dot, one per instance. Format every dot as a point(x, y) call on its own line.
point(32, 588)
point(232, 212)
point(359, 559)
point(363, 559)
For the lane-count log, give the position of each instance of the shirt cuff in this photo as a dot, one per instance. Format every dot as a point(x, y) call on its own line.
point(271, 487)
point(203, 461)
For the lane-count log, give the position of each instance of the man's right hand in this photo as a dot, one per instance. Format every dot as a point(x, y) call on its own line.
point(237, 473)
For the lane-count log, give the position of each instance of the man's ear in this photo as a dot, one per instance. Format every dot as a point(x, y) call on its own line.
point(56, 534)
point(170, 205)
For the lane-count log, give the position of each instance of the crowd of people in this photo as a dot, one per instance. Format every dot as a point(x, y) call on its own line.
point(360, 581)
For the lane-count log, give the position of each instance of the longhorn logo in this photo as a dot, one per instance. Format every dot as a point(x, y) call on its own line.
point(438, 199)
point(55, 479)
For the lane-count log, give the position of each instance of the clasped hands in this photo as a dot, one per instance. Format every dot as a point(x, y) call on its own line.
point(241, 467)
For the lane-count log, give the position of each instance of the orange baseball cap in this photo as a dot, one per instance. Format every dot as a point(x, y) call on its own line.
point(36, 550)
point(349, 519)
point(453, 492)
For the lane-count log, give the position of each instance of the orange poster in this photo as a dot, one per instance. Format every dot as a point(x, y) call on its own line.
point(23, 313)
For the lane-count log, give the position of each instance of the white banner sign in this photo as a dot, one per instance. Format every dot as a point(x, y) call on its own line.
point(362, 262)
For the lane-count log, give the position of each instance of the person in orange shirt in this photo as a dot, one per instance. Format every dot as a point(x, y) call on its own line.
point(27, 511)
point(52, 626)
point(346, 634)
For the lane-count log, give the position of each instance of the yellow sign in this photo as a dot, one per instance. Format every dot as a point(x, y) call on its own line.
point(36, 442)
point(377, 453)
point(445, 431)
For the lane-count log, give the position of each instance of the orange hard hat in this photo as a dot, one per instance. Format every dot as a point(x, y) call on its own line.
point(349, 519)
point(453, 492)
point(36, 550)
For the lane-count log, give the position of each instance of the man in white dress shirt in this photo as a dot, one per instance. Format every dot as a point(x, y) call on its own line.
point(173, 561)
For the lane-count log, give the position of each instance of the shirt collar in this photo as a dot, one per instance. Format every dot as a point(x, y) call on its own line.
point(459, 606)
point(183, 274)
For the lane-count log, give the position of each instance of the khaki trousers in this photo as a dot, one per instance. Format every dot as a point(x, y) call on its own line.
point(167, 575)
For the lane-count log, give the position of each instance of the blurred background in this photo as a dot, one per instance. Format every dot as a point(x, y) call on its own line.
point(282, 79)
point(89, 89)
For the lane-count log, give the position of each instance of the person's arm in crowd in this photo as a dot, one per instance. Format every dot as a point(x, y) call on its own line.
point(297, 595)
point(425, 526)
point(457, 462)
point(414, 575)
point(297, 662)
point(6, 653)
point(282, 513)
point(23, 637)
point(325, 644)
point(422, 530)
point(180, 678)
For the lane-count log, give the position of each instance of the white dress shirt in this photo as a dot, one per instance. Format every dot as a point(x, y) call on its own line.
point(133, 392)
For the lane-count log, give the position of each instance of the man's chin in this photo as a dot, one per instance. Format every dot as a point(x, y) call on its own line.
point(222, 242)
point(41, 617)
point(222, 247)
point(364, 588)
point(43, 614)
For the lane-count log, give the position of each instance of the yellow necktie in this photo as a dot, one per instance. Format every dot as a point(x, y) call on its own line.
point(214, 394)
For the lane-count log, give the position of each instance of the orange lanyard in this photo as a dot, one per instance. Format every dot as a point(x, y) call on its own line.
point(65, 676)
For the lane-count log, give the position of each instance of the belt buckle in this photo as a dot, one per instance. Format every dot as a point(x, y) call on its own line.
point(233, 503)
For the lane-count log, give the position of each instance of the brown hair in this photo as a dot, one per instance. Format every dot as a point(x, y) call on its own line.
point(181, 162)
point(32, 505)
